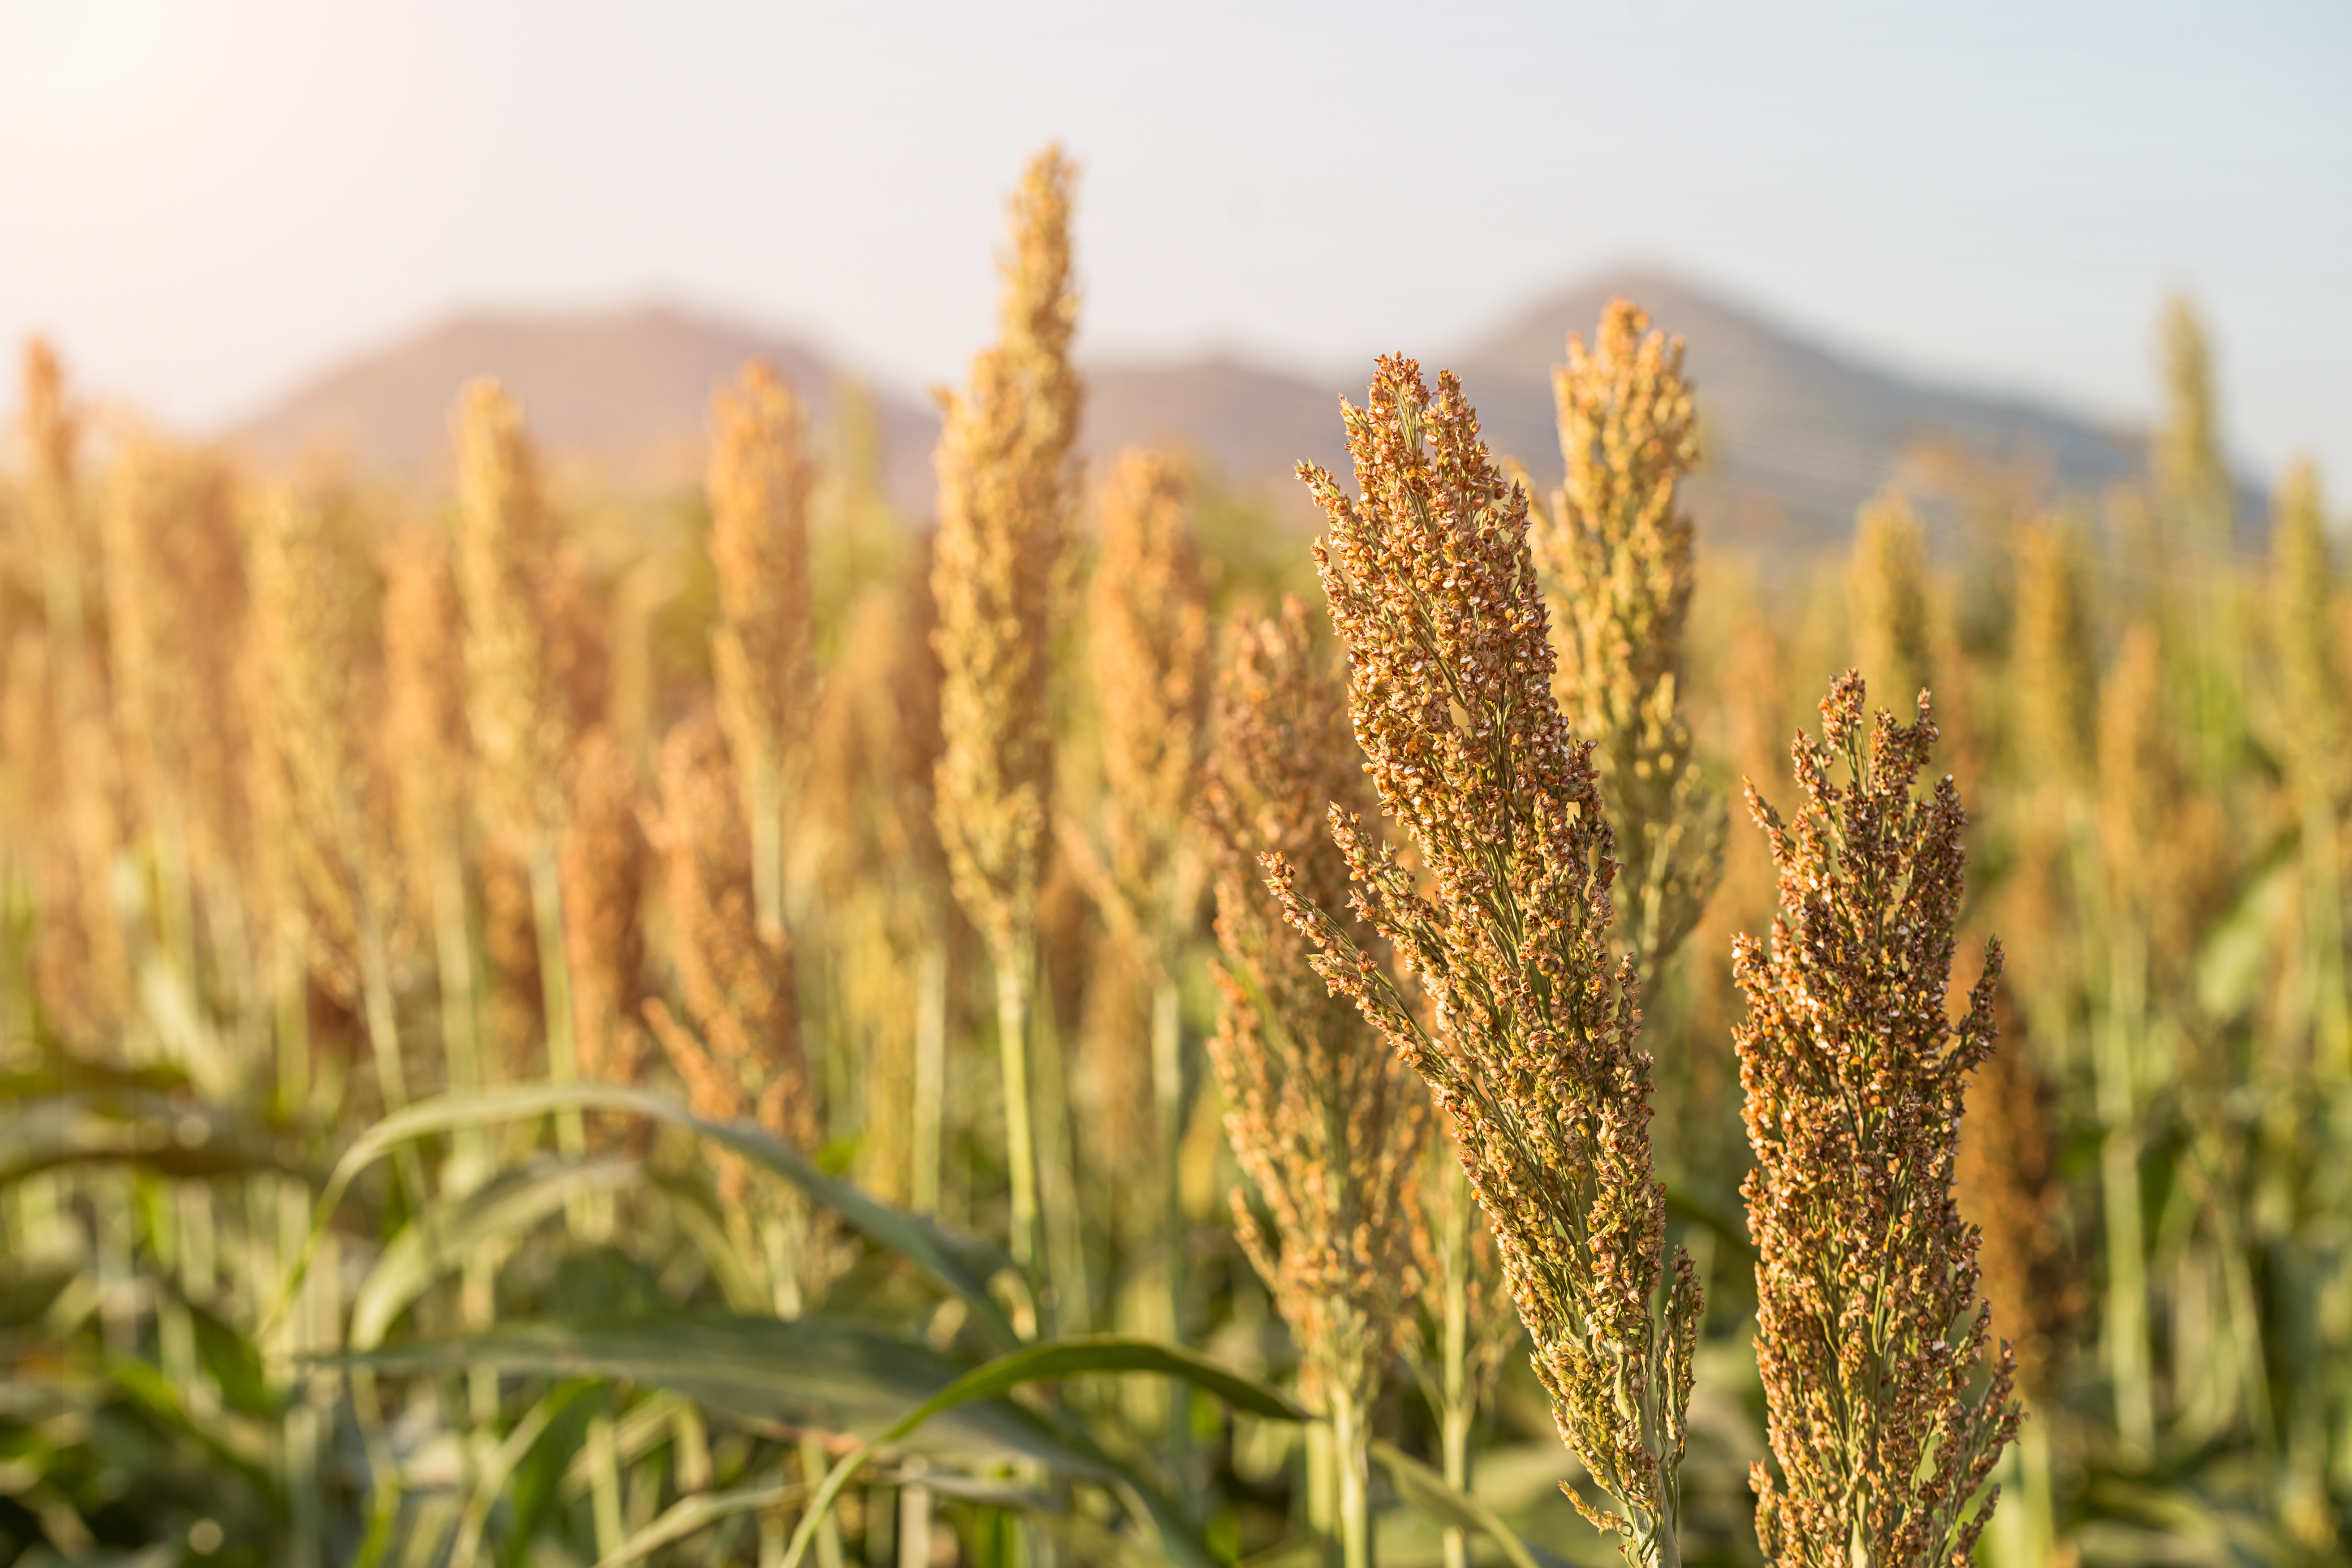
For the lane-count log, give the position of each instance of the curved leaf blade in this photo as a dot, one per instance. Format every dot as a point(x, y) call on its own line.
point(961, 1265)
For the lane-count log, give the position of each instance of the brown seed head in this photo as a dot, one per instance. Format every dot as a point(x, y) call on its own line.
point(1886, 586)
point(738, 987)
point(1325, 1118)
point(310, 622)
point(1006, 486)
point(2009, 1189)
point(1533, 1048)
point(1149, 621)
point(508, 549)
point(1616, 549)
point(1869, 1332)
point(758, 490)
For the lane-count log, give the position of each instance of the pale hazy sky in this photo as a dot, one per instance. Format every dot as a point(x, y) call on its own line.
point(205, 199)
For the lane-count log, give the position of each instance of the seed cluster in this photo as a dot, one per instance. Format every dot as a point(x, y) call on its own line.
point(1325, 1121)
point(1616, 547)
point(1869, 1332)
point(1530, 1044)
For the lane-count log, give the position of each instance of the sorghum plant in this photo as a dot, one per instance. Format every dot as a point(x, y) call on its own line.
point(1324, 1118)
point(1006, 489)
point(1530, 1043)
point(1869, 1330)
point(1616, 546)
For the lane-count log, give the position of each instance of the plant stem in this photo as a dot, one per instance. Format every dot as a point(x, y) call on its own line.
point(2128, 1358)
point(930, 1071)
point(1016, 967)
point(1458, 1407)
point(1352, 1454)
point(1168, 1106)
point(555, 983)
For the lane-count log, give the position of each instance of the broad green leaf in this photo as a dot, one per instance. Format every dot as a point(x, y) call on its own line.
point(47, 1132)
point(1065, 1358)
point(446, 1232)
point(1427, 1490)
point(829, 1375)
point(961, 1264)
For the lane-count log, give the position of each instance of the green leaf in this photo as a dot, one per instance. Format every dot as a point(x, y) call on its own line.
point(689, 1514)
point(963, 1265)
point(446, 1232)
point(1065, 1358)
point(829, 1375)
point(141, 1128)
point(1427, 1490)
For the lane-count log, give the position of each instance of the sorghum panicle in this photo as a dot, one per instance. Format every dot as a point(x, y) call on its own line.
point(1616, 547)
point(1323, 1116)
point(1532, 1045)
point(1869, 1330)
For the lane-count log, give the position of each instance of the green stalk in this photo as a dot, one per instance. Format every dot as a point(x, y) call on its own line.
point(1458, 1402)
point(1351, 1456)
point(555, 981)
point(605, 1484)
point(930, 1071)
point(2130, 1362)
point(1066, 1251)
point(914, 1519)
point(1015, 966)
point(1168, 1108)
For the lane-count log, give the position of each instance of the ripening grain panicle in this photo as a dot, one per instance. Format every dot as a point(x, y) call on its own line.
point(1887, 587)
point(738, 986)
point(2055, 668)
point(424, 694)
point(508, 548)
point(1532, 1048)
point(760, 664)
point(310, 623)
point(604, 860)
point(1149, 620)
point(1326, 1120)
point(86, 967)
point(1615, 548)
point(1869, 1332)
point(2193, 490)
point(1006, 490)
point(2009, 1188)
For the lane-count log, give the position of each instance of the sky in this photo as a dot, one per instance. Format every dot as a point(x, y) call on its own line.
point(205, 201)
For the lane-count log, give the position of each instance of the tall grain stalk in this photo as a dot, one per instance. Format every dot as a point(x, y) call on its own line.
point(1006, 487)
point(88, 983)
point(2009, 1187)
point(312, 626)
point(1887, 586)
point(507, 550)
point(2136, 781)
point(1325, 1118)
point(1869, 1333)
point(1616, 547)
point(1530, 1045)
point(760, 659)
point(739, 986)
point(1148, 653)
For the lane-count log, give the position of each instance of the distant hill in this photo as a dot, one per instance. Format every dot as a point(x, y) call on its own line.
point(1794, 438)
point(624, 392)
point(1795, 435)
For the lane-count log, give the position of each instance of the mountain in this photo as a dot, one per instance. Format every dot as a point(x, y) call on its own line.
point(1795, 435)
point(622, 393)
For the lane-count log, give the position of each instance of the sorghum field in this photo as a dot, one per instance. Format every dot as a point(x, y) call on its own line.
point(1080, 1032)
